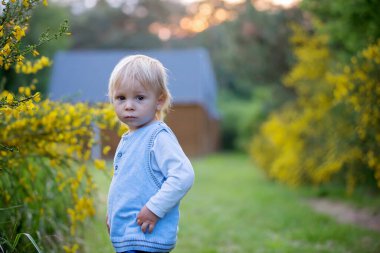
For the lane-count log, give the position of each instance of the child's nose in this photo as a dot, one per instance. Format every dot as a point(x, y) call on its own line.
point(129, 105)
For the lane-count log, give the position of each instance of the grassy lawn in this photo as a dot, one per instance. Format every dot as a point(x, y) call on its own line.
point(233, 208)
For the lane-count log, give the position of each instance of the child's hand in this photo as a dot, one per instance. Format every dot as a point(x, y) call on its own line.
point(147, 220)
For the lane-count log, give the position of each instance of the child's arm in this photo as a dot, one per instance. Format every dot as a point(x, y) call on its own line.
point(176, 168)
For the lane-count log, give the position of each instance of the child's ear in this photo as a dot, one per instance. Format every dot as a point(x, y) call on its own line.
point(160, 101)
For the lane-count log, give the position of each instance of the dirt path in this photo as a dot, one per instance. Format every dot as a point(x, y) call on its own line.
point(345, 213)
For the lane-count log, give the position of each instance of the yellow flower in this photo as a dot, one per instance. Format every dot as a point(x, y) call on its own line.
point(6, 50)
point(37, 97)
point(106, 149)
point(45, 61)
point(27, 92)
point(18, 32)
point(100, 164)
point(72, 249)
point(26, 3)
point(10, 99)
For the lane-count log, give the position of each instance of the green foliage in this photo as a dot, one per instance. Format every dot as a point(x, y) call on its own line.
point(38, 26)
point(29, 237)
point(241, 119)
point(250, 51)
point(351, 24)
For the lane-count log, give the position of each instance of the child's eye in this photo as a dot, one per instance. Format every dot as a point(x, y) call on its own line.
point(120, 98)
point(140, 98)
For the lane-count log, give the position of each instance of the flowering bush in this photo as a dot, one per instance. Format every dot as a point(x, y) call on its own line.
point(13, 26)
point(357, 88)
point(45, 163)
point(332, 129)
point(45, 149)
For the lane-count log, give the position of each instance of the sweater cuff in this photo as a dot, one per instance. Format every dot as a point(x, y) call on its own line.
point(156, 210)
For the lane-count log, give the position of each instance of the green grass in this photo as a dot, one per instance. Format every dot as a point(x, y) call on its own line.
point(232, 207)
point(96, 236)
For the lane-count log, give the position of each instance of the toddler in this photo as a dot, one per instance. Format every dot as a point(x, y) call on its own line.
point(151, 171)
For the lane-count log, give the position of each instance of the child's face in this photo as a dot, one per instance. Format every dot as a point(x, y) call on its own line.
point(135, 105)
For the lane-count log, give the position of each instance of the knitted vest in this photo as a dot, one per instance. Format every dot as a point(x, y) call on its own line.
point(133, 184)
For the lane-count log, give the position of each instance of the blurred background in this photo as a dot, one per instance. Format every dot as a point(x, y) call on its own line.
point(269, 64)
point(291, 87)
point(246, 41)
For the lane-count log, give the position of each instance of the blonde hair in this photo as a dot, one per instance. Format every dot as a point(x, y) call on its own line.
point(148, 72)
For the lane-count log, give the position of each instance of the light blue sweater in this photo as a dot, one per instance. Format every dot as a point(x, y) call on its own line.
point(150, 169)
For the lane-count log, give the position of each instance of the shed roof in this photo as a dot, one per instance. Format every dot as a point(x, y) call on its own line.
point(83, 75)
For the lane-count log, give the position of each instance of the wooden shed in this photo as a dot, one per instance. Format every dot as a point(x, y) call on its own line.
point(194, 118)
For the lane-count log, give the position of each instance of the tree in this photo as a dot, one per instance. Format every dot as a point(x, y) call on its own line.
point(352, 25)
point(125, 27)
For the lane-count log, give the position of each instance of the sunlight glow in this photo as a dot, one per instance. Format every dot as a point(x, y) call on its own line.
point(221, 15)
point(164, 33)
point(285, 3)
point(234, 1)
point(268, 5)
point(263, 4)
point(203, 15)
